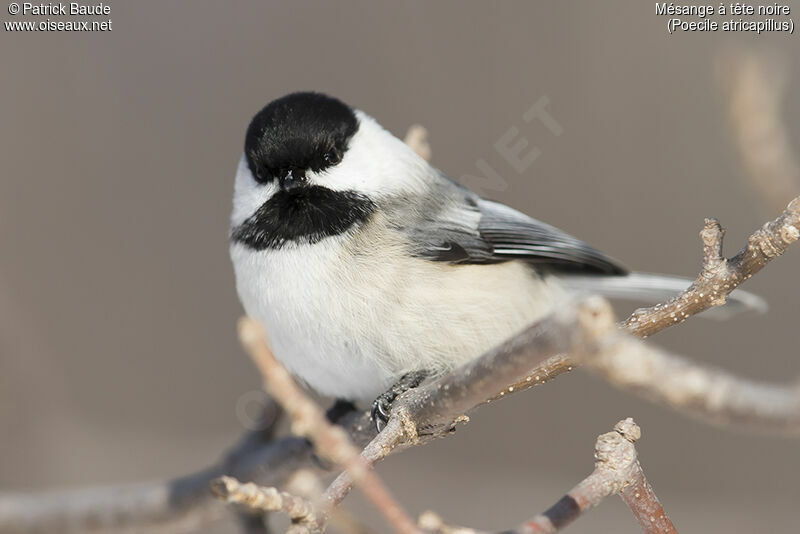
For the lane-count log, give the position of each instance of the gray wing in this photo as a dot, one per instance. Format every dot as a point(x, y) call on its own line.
point(466, 229)
point(514, 235)
point(461, 228)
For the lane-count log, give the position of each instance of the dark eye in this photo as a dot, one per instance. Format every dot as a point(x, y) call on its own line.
point(332, 157)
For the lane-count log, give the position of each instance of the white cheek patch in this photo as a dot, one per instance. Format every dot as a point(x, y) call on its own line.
point(376, 163)
point(248, 195)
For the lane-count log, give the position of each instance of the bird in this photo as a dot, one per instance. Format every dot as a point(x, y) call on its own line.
point(373, 271)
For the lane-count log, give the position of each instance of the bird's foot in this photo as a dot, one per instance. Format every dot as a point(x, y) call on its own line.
point(382, 407)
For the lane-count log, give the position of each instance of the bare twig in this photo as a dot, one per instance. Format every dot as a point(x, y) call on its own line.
point(308, 484)
point(260, 498)
point(302, 511)
point(617, 471)
point(642, 501)
point(697, 390)
point(615, 464)
point(542, 373)
point(331, 441)
point(720, 276)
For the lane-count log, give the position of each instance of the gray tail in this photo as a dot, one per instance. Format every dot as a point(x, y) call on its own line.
point(654, 288)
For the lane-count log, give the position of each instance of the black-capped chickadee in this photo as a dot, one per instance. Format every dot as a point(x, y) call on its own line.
point(370, 269)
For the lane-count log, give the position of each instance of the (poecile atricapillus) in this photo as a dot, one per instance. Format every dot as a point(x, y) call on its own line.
point(370, 269)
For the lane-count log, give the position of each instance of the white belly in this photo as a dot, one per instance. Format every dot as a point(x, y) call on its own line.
point(349, 322)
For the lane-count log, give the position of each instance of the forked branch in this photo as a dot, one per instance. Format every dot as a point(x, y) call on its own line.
point(617, 472)
point(720, 276)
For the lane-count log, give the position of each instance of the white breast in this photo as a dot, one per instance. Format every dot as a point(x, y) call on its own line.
point(349, 315)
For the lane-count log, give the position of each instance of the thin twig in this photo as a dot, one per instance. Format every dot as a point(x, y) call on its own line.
point(260, 498)
point(646, 508)
point(308, 484)
point(615, 458)
point(542, 373)
point(697, 390)
point(617, 471)
point(331, 441)
point(720, 276)
point(616, 468)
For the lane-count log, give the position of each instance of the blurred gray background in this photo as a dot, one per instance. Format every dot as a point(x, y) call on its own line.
point(118, 354)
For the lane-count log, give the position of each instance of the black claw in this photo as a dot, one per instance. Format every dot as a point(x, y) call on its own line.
point(385, 409)
point(382, 407)
point(381, 410)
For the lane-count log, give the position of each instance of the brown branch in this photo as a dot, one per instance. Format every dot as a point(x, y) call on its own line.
point(264, 499)
point(331, 441)
point(303, 512)
point(720, 276)
point(642, 501)
point(697, 390)
point(308, 484)
point(614, 468)
point(617, 471)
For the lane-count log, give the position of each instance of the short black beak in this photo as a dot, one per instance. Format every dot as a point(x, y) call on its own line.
point(292, 178)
